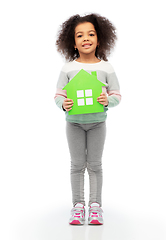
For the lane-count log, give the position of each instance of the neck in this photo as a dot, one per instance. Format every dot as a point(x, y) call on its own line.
point(87, 59)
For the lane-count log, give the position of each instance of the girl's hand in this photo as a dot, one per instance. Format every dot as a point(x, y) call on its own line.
point(67, 104)
point(103, 99)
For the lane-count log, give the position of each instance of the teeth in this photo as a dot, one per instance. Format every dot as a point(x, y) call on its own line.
point(87, 45)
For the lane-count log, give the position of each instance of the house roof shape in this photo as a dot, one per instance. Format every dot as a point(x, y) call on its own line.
point(84, 89)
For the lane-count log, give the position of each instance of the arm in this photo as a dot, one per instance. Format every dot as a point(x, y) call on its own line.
point(114, 98)
point(62, 101)
point(59, 98)
point(113, 89)
point(61, 95)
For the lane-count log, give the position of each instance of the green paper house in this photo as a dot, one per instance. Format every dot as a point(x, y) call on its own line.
point(84, 89)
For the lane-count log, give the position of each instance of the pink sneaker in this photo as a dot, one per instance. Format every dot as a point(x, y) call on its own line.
point(77, 215)
point(95, 214)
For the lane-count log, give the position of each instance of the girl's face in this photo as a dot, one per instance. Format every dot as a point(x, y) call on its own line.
point(86, 39)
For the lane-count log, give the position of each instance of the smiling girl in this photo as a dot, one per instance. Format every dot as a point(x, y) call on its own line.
point(86, 42)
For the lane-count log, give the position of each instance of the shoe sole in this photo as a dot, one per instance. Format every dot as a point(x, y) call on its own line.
point(76, 222)
point(95, 222)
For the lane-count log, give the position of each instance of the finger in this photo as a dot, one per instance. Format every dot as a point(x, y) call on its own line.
point(68, 109)
point(101, 99)
point(102, 94)
point(69, 103)
point(101, 102)
point(69, 106)
point(69, 100)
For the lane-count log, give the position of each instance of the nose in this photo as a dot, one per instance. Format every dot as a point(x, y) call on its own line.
point(86, 38)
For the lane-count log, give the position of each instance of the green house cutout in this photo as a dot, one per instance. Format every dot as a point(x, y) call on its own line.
point(84, 89)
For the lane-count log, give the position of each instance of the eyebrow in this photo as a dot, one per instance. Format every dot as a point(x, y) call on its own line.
point(88, 31)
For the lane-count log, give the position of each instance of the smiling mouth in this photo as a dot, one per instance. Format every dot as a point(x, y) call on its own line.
point(87, 45)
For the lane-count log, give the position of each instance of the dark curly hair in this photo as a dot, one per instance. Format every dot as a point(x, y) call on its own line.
point(106, 35)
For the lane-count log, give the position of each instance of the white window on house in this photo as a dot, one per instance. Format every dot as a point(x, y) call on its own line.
point(81, 102)
point(80, 93)
point(84, 97)
point(89, 101)
point(88, 93)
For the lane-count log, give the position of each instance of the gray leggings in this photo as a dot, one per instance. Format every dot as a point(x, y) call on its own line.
point(86, 143)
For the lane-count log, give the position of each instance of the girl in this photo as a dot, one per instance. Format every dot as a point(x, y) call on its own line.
point(86, 42)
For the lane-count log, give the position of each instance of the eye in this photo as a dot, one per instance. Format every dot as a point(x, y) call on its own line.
point(79, 36)
point(91, 34)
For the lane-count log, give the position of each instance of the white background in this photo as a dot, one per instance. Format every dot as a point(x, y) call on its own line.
point(35, 190)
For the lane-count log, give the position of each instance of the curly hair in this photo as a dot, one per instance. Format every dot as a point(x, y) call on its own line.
point(106, 35)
